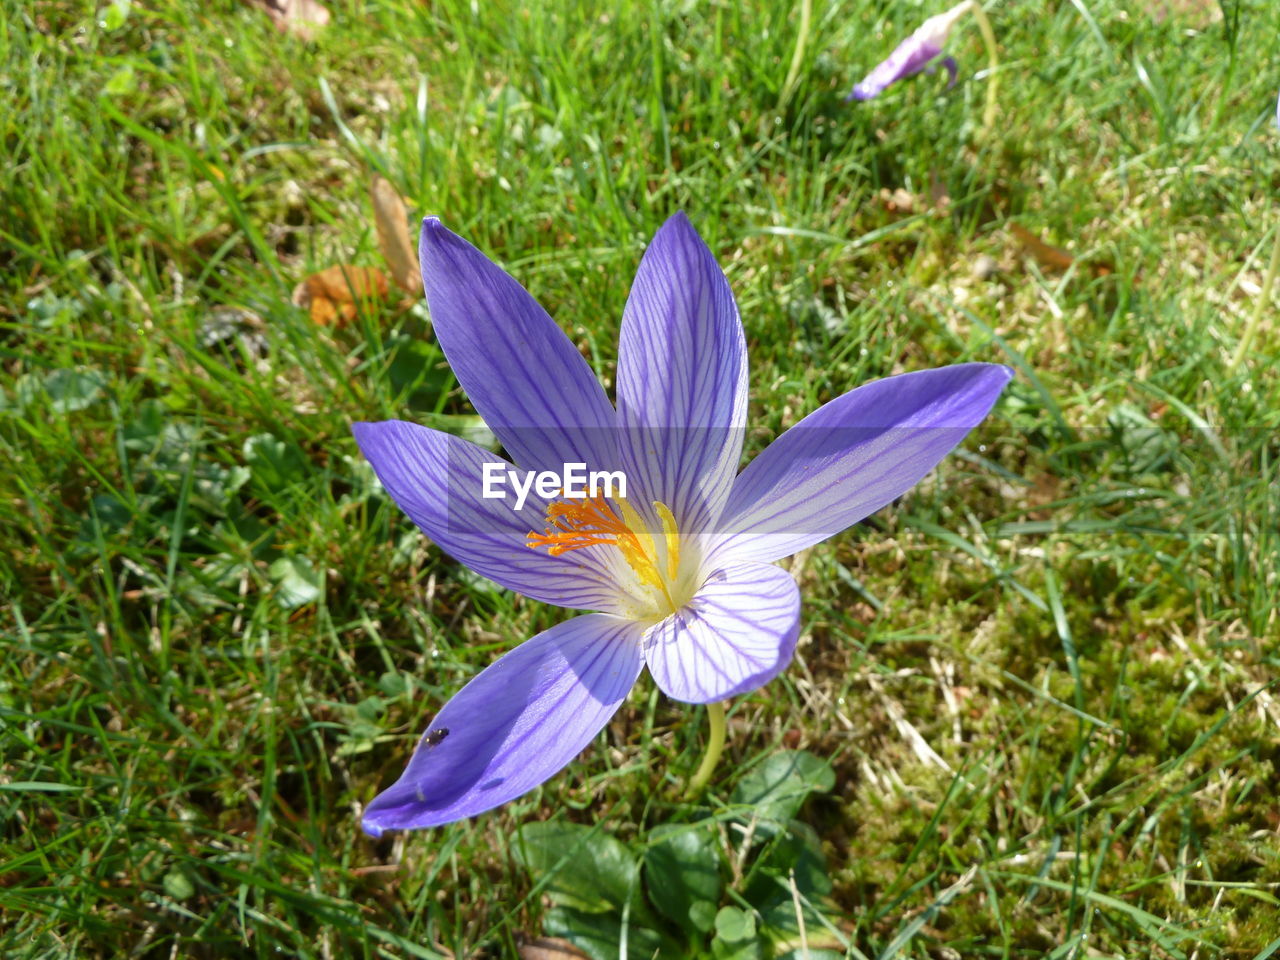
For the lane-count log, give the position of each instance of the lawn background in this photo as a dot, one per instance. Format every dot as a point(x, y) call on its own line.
point(1042, 681)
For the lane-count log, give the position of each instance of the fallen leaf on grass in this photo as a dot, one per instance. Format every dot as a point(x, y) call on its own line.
point(302, 18)
point(1047, 255)
point(332, 295)
point(394, 238)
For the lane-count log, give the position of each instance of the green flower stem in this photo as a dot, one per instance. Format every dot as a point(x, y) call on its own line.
point(715, 745)
point(993, 66)
point(797, 55)
point(1261, 303)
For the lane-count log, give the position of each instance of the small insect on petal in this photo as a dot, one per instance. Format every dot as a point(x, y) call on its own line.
point(435, 737)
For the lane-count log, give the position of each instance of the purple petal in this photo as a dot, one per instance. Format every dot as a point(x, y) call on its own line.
point(524, 377)
point(682, 378)
point(952, 71)
point(515, 725)
point(438, 480)
point(911, 55)
point(853, 456)
point(737, 634)
point(909, 58)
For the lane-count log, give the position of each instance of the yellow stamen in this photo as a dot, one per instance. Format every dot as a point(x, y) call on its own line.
point(673, 538)
point(578, 523)
point(574, 524)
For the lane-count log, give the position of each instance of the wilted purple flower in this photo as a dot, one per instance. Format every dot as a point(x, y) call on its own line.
point(914, 54)
point(681, 571)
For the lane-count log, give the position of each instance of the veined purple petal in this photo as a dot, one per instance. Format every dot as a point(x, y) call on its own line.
point(908, 59)
point(523, 376)
point(852, 456)
point(438, 480)
point(735, 635)
point(682, 378)
point(515, 725)
point(912, 55)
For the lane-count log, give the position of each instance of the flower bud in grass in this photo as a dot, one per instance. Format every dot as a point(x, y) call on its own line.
point(913, 54)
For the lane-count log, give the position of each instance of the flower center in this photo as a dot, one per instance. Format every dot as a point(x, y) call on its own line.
point(660, 586)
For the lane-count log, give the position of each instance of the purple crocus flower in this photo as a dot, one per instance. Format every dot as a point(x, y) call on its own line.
point(914, 54)
point(680, 572)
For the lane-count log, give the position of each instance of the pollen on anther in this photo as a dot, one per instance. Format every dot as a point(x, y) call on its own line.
point(572, 525)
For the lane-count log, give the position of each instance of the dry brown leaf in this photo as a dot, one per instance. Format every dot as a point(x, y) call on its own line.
point(1047, 255)
point(394, 238)
point(332, 295)
point(1055, 258)
point(302, 18)
point(550, 948)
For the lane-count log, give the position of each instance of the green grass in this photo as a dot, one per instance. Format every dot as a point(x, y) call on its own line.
point(1043, 681)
